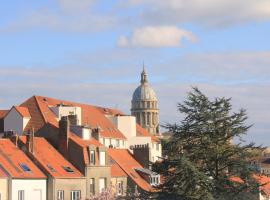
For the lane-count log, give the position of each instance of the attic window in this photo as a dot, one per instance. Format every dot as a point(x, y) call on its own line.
point(51, 168)
point(25, 167)
point(68, 169)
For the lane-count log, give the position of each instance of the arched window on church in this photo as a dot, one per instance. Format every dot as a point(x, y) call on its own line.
point(148, 104)
point(138, 118)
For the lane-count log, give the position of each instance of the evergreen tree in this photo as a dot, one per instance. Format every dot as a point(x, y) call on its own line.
point(201, 162)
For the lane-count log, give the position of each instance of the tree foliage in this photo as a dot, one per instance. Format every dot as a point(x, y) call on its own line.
point(201, 161)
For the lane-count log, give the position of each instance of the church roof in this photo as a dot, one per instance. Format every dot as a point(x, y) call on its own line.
point(144, 91)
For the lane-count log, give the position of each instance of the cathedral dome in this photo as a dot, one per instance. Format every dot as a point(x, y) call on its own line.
point(144, 91)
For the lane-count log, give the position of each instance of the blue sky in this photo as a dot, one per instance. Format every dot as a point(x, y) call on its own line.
point(92, 51)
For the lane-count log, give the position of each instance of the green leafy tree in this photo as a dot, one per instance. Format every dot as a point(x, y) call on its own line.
point(201, 161)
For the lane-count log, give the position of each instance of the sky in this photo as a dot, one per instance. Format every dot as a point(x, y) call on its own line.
point(92, 52)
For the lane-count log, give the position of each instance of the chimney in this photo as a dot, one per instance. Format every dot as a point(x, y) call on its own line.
point(96, 133)
point(141, 153)
point(30, 141)
point(63, 136)
point(73, 119)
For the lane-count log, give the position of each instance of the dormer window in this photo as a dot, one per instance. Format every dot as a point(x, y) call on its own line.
point(155, 180)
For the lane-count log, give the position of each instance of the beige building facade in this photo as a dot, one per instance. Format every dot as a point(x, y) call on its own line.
point(3, 187)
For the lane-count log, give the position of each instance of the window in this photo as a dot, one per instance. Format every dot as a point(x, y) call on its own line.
point(102, 184)
point(120, 188)
point(102, 158)
point(21, 195)
point(92, 157)
point(92, 186)
point(154, 180)
point(75, 195)
point(60, 195)
point(25, 167)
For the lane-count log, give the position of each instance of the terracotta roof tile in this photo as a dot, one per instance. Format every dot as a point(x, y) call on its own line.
point(51, 160)
point(116, 171)
point(262, 180)
point(37, 120)
point(91, 115)
point(16, 163)
point(144, 133)
point(265, 182)
point(3, 113)
point(2, 173)
point(84, 144)
point(23, 111)
point(128, 164)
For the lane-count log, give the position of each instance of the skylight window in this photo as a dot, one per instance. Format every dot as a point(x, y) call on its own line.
point(25, 167)
point(68, 169)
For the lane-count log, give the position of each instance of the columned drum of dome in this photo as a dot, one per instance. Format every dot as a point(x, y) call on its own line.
point(145, 106)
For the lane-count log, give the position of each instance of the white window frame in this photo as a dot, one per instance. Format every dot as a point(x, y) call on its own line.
point(155, 180)
point(21, 195)
point(60, 194)
point(75, 194)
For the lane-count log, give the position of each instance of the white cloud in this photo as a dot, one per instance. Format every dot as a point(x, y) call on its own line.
point(156, 36)
point(204, 12)
point(68, 16)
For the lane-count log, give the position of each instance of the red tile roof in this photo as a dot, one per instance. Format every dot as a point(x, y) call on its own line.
point(265, 182)
point(128, 164)
point(84, 144)
point(3, 113)
point(12, 160)
point(23, 111)
point(262, 180)
point(144, 133)
point(116, 171)
point(2, 173)
point(39, 108)
point(51, 160)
